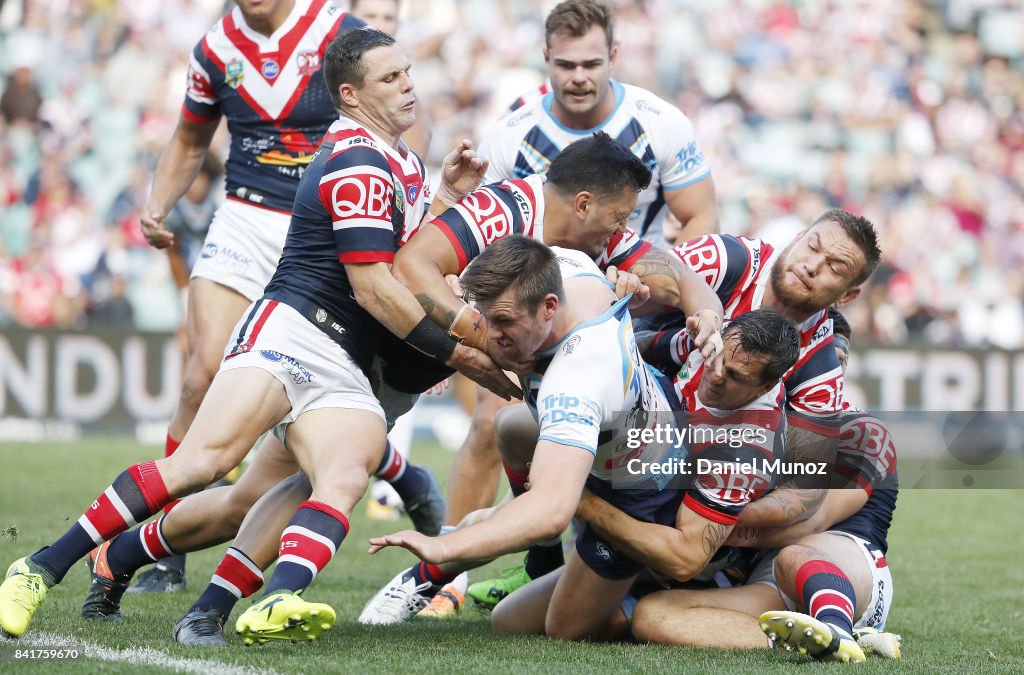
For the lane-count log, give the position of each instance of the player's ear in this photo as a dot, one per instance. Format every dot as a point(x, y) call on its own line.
point(582, 202)
point(848, 297)
point(613, 53)
point(349, 94)
point(550, 306)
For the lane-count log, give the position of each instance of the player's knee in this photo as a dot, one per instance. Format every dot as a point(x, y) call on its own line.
point(792, 557)
point(338, 488)
point(561, 629)
point(646, 624)
point(194, 385)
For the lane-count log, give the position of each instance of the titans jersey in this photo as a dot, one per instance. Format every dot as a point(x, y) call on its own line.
point(738, 269)
point(358, 202)
point(273, 94)
point(866, 458)
point(527, 140)
point(517, 207)
point(582, 386)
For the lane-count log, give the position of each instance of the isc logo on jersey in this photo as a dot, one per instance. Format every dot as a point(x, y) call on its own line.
point(488, 214)
point(360, 191)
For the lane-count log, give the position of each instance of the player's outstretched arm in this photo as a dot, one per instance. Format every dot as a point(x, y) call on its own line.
point(177, 167)
point(679, 552)
point(557, 475)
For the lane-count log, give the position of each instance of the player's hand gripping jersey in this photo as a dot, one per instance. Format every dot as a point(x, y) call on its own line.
point(738, 270)
point(273, 94)
point(527, 140)
point(358, 202)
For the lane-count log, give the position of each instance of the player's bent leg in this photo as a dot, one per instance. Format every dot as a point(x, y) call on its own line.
point(199, 521)
point(586, 606)
point(242, 404)
point(339, 477)
point(524, 611)
point(825, 596)
point(838, 550)
point(476, 470)
point(723, 618)
point(214, 516)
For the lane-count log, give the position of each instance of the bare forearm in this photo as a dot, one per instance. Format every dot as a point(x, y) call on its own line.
point(657, 546)
point(517, 525)
point(426, 282)
point(673, 284)
point(176, 169)
point(390, 303)
point(702, 223)
point(782, 508)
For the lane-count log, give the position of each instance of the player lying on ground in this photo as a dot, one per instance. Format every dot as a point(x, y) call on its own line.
point(574, 374)
point(825, 264)
point(676, 531)
point(831, 567)
point(301, 358)
point(602, 196)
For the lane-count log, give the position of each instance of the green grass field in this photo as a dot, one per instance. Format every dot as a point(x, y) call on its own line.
point(955, 556)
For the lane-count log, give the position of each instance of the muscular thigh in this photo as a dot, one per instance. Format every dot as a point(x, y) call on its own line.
point(213, 310)
point(338, 449)
point(585, 606)
point(752, 600)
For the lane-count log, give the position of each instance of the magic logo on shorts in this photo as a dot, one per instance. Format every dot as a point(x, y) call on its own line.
point(299, 373)
point(209, 250)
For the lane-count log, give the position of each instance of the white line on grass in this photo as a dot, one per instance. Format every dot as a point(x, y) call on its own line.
point(138, 656)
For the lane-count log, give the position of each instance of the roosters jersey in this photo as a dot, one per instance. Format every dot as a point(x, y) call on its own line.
point(273, 94)
point(517, 207)
point(358, 202)
point(591, 387)
point(738, 270)
point(527, 140)
point(866, 458)
point(754, 435)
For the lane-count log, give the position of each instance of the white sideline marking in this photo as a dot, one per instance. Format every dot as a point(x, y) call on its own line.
point(139, 656)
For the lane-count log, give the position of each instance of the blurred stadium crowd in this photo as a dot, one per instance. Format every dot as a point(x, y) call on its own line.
point(910, 112)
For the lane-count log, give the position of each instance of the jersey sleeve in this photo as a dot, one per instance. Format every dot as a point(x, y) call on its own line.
point(201, 101)
point(478, 220)
point(720, 260)
point(357, 191)
point(681, 162)
point(623, 250)
point(814, 388)
point(866, 455)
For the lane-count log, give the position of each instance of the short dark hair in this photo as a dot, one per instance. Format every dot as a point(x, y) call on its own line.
point(863, 234)
point(575, 17)
point(767, 334)
point(840, 326)
point(517, 262)
point(343, 59)
point(598, 164)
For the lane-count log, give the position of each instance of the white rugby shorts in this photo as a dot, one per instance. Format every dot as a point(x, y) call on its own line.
point(243, 247)
point(314, 369)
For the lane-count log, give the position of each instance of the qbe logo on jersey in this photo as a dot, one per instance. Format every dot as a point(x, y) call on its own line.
point(361, 192)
